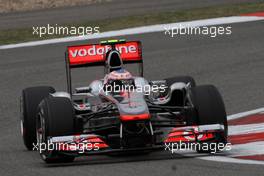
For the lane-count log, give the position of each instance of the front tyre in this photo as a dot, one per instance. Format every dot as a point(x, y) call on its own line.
point(55, 118)
point(29, 102)
point(209, 109)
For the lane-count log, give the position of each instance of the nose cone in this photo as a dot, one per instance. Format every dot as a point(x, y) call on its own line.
point(135, 108)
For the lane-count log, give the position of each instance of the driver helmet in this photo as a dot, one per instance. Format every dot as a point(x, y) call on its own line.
point(120, 74)
point(118, 78)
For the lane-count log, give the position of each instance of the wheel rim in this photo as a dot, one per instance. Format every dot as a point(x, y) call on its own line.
point(21, 117)
point(40, 133)
point(22, 128)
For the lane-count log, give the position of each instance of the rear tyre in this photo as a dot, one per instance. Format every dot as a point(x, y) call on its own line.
point(29, 102)
point(178, 96)
point(55, 118)
point(209, 109)
point(184, 79)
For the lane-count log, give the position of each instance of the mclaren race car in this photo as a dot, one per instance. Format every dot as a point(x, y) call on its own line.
point(120, 112)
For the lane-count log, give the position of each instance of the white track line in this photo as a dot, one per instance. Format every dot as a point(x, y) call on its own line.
point(247, 149)
point(246, 129)
point(230, 160)
point(139, 30)
point(243, 114)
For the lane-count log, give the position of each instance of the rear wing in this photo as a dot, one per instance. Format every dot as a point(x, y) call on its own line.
point(94, 55)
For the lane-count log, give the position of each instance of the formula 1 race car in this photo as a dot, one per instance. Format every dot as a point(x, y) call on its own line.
point(120, 112)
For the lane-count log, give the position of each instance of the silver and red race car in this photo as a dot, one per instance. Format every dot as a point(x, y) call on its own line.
point(120, 112)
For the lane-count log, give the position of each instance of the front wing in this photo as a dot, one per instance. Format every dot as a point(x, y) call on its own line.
point(91, 144)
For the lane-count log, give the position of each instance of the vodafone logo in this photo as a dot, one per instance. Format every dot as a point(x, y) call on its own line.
point(88, 54)
point(95, 50)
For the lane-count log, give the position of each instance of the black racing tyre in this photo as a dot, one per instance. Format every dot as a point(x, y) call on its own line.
point(184, 79)
point(209, 108)
point(55, 117)
point(30, 99)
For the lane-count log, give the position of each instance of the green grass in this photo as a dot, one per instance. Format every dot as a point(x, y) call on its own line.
point(22, 35)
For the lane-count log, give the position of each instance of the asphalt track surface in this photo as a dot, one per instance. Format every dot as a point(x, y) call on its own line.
point(233, 63)
point(104, 10)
